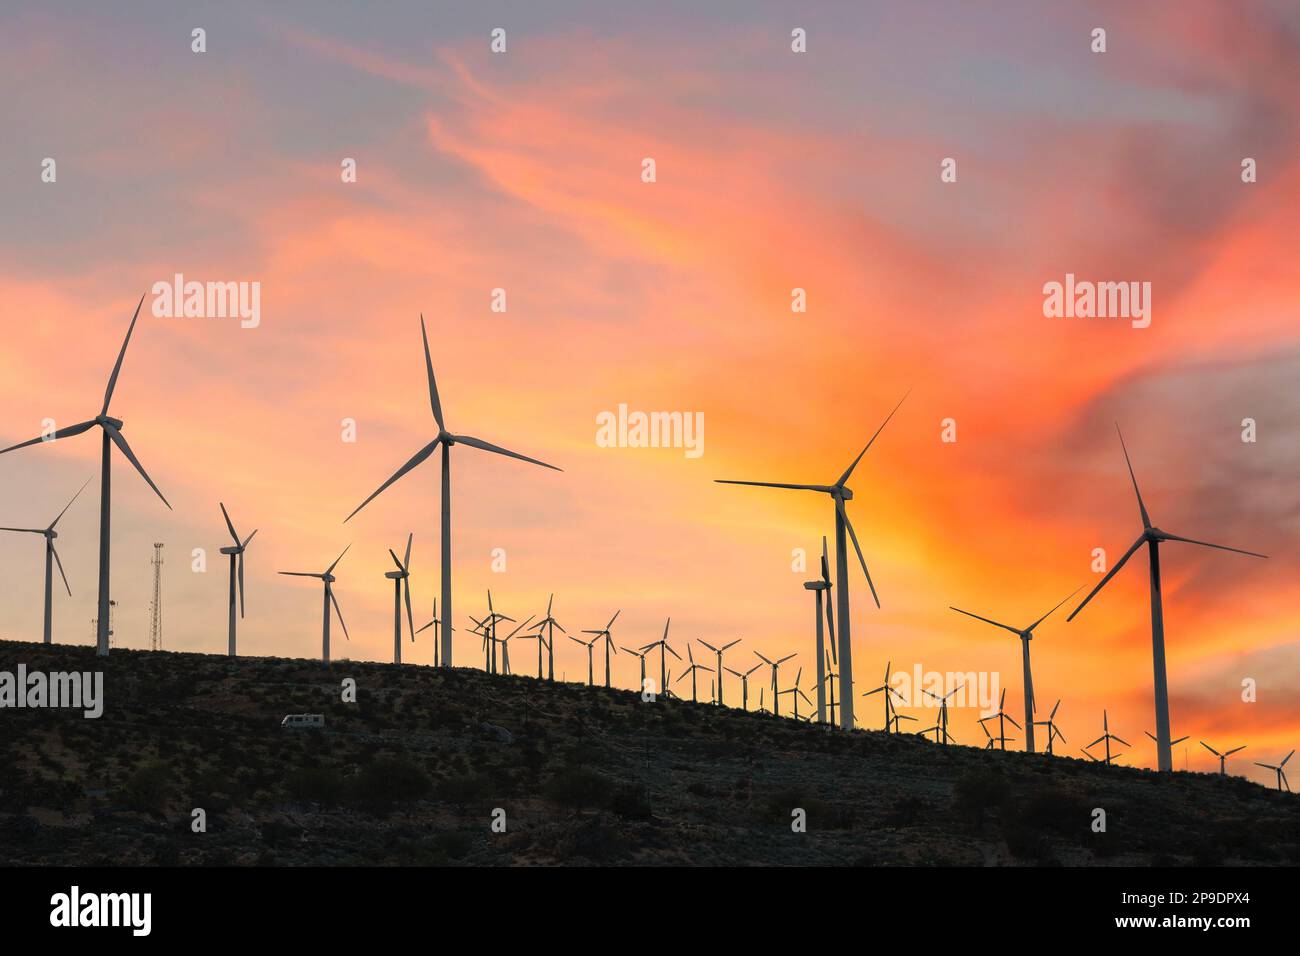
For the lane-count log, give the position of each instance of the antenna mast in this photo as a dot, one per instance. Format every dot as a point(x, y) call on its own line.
point(155, 609)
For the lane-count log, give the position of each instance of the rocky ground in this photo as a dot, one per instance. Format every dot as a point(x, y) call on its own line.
point(416, 771)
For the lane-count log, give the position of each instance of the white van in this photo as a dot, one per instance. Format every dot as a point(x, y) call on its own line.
point(302, 721)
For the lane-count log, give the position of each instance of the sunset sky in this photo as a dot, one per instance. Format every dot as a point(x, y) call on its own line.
point(775, 171)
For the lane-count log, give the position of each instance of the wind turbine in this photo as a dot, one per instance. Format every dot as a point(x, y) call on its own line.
point(445, 439)
point(1002, 717)
point(236, 553)
point(829, 677)
point(718, 651)
point(402, 576)
point(489, 625)
point(326, 577)
point(1108, 737)
point(591, 648)
point(505, 645)
point(941, 735)
point(1052, 731)
point(744, 684)
point(550, 624)
point(1281, 774)
point(51, 558)
point(435, 623)
point(112, 435)
point(1223, 757)
point(888, 689)
point(691, 670)
point(664, 648)
point(819, 587)
point(1152, 537)
point(640, 655)
point(603, 633)
point(1026, 635)
point(839, 493)
point(776, 700)
point(796, 692)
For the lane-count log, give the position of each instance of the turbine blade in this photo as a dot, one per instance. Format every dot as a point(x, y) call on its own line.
point(410, 618)
point(241, 584)
point(337, 560)
point(61, 574)
point(120, 442)
point(1206, 746)
point(853, 535)
point(225, 514)
point(26, 530)
point(1146, 520)
point(396, 561)
point(773, 484)
point(1220, 547)
point(112, 379)
point(416, 459)
point(986, 620)
point(61, 433)
point(1055, 609)
point(433, 385)
point(69, 504)
point(1234, 750)
point(849, 471)
point(1109, 574)
point(406, 562)
point(497, 449)
point(339, 612)
point(301, 574)
point(249, 538)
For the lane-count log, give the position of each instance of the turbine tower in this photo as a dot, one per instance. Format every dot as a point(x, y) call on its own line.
point(328, 579)
point(839, 493)
point(51, 558)
point(819, 587)
point(112, 435)
point(155, 606)
point(236, 553)
point(1026, 635)
point(446, 440)
point(1152, 537)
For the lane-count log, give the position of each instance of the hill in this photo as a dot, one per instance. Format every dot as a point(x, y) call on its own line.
point(412, 772)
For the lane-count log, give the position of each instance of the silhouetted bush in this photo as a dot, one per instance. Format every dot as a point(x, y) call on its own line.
point(578, 787)
point(149, 786)
point(314, 785)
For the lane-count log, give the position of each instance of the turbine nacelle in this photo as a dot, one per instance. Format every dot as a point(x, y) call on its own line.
point(842, 493)
point(106, 420)
point(232, 550)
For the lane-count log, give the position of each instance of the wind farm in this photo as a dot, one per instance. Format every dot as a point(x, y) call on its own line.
point(807, 337)
point(828, 639)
